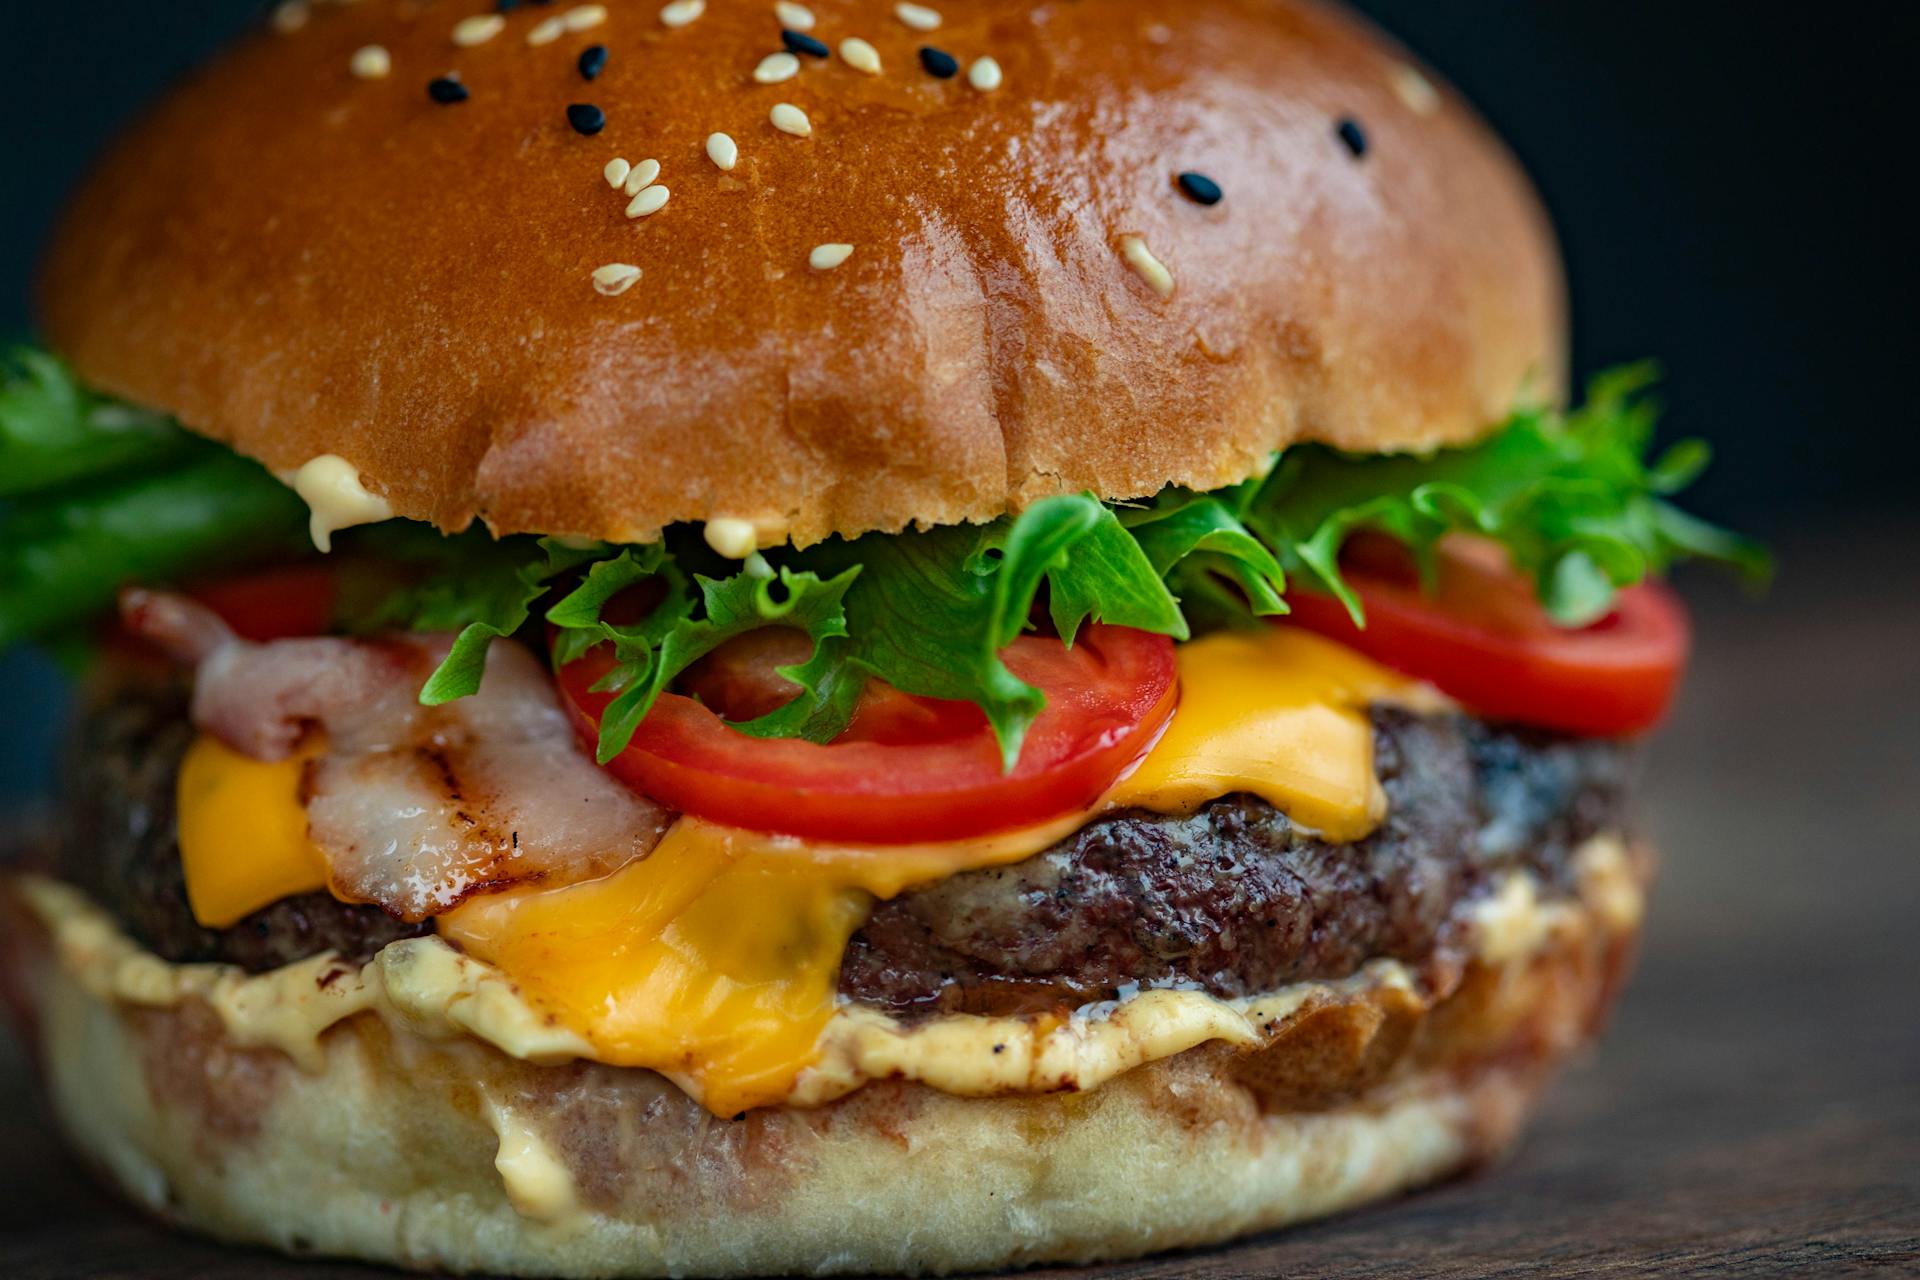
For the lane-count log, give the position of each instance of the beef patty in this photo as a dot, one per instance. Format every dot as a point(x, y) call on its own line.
point(1237, 900)
point(120, 845)
point(1234, 898)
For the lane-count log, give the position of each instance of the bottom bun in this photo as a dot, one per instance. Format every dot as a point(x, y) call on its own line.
point(444, 1153)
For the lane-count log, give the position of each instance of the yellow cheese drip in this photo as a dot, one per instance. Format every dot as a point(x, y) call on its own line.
point(1278, 713)
point(243, 833)
point(715, 959)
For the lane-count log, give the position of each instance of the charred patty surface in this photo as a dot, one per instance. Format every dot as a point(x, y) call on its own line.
point(1233, 898)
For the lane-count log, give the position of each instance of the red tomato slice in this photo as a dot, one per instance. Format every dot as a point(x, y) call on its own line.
point(741, 680)
point(1483, 639)
point(273, 604)
point(890, 782)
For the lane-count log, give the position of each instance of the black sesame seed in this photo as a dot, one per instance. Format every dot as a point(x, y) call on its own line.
point(939, 62)
point(446, 91)
point(1353, 135)
point(593, 60)
point(505, 6)
point(586, 118)
point(1199, 188)
point(801, 42)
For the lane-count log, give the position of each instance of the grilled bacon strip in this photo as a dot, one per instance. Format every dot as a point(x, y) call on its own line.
point(414, 807)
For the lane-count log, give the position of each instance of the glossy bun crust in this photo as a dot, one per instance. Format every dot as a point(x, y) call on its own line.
point(299, 260)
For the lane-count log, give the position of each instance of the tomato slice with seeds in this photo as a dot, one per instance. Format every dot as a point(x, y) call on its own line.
point(1482, 638)
point(908, 769)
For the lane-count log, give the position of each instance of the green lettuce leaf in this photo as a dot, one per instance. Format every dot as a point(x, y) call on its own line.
point(94, 494)
point(53, 431)
point(1569, 496)
point(929, 612)
point(1110, 574)
point(1195, 541)
point(675, 634)
point(933, 609)
point(64, 554)
point(480, 587)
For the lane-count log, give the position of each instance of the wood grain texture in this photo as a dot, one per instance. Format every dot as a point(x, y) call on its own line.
point(1755, 1110)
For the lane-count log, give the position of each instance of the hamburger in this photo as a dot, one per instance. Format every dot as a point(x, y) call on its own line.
point(857, 639)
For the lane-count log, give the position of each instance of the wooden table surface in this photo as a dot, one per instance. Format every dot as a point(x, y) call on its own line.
point(1755, 1109)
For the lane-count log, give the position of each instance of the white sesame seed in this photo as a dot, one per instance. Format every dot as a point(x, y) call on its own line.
point(723, 151)
point(650, 200)
point(917, 16)
point(547, 31)
point(860, 55)
point(616, 172)
point(788, 118)
point(825, 257)
point(796, 16)
point(291, 16)
point(1146, 266)
point(640, 177)
point(1413, 89)
point(734, 539)
point(584, 17)
point(984, 75)
point(478, 29)
point(615, 278)
point(776, 67)
point(680, 12)
point(371, 62)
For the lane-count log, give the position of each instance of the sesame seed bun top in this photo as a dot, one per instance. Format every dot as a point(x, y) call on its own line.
point(307, 250)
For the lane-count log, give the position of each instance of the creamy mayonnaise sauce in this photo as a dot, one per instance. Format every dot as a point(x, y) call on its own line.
point(425, 986)
point(333, 492)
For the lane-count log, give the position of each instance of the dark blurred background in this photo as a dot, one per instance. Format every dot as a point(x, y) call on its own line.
point(1725, 180)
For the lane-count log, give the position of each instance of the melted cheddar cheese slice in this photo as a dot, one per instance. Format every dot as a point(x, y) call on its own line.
point(243, 832)
point(1278, 713)
point(715, 959)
